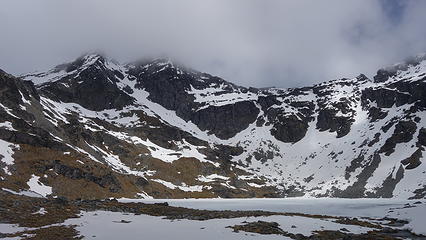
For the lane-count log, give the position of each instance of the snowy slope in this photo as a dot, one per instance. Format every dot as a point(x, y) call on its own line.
point(184, 132)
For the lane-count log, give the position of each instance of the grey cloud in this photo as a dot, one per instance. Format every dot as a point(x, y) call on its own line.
point(249, 42)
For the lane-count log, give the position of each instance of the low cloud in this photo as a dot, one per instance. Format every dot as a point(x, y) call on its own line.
point(251, 43)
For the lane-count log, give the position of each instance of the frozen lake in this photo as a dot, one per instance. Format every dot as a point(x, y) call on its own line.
point(323, 206)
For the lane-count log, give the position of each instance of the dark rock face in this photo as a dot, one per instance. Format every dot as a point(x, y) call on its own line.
point(384, 74)
point(289, 129)
point(141, 182)
point(94, 87)
point(419, 193)
point(107, 180)
point(327, 120)
point(386, 191)
point(422, 137)
point(43, 139)
point(226, 121)
point(398, 94)
point(356, 163)
point(267, 101)
point(415, 93)
point(413, 161)
point(376, 114)
point(168, 85)
point(13, 91)
point(375, 140)
point(357, 189)
point(385, 98)
point(404, 132)
point(263, 156)
point(337, 115)
point(286, 127)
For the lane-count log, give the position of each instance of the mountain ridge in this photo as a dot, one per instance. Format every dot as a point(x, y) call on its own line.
point(156, 129)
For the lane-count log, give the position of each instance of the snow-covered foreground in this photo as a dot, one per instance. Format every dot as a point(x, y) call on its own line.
point(109, 225)
point(118, 225)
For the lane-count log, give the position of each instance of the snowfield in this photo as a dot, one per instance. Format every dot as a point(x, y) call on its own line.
point(109, 225)
point(117, 225)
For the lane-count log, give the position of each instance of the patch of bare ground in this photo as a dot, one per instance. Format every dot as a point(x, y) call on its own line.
point(263, 227)
point(47, 233)
point(74, 176)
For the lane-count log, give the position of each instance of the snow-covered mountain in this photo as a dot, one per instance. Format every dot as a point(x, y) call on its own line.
point(95, 128)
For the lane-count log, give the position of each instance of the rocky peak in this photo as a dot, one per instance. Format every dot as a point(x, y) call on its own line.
point(213, 104)
point(385, 73)
point(91, 80)
point(362, 78)
point(85, 61)
point(14, 90)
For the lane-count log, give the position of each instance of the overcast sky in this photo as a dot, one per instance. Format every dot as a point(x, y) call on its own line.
point(257, 43)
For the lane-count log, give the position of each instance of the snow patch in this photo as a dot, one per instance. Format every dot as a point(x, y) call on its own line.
point(38, 187)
